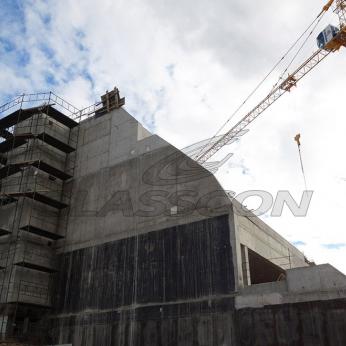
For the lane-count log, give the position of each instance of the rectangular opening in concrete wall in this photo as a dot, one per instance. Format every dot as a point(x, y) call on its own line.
point(262, 270)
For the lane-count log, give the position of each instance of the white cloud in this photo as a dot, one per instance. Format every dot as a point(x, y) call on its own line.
point(219, 50)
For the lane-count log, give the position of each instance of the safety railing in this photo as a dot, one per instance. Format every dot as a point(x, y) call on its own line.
point(49, 98)
point(284, 262)
point(43, 123)
point(35, 182)
point(23, 253)
point(89, 111)
point(33, 99)
point(25, 291)
point(46, 219)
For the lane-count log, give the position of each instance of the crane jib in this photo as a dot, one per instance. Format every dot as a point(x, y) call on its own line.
point(291, 81)
point(273, 96)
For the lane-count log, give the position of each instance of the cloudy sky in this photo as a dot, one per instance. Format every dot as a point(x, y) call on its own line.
point(184, 66)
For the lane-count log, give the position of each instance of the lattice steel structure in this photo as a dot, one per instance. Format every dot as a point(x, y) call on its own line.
point(285, 86)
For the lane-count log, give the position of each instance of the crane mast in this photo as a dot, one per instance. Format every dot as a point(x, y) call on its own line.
point(340, 10)
point(338, 41)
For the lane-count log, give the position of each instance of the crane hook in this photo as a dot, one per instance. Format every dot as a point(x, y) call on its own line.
point(297, 139)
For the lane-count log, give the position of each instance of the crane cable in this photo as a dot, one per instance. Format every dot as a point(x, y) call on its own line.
point(318, 18)
point(297, 139)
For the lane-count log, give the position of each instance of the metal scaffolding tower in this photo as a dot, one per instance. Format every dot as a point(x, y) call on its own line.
point(39, 134)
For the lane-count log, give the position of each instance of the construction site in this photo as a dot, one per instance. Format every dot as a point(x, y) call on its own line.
point(109, 235)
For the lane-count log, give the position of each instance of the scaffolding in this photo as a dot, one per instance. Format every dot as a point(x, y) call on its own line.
point(39, 136)
point(38, 142)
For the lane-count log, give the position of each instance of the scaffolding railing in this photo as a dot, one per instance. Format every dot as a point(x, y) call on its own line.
point(111, 100)
point(26, 291)
point(42, 124)
point(43, 152)
point(36, 183)
point(23, 251)
point(283, 262)
point(46, 220)
point(33, 100)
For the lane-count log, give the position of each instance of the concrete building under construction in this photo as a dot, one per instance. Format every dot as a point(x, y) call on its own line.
point(109, 235)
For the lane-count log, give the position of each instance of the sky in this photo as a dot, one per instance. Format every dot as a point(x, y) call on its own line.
point(184, 67)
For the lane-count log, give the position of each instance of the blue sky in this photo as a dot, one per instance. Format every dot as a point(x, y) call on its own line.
point(183, 68)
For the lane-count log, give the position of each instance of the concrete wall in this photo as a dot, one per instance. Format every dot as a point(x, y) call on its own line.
point(318, 323)
point(254, 234)
point(149, 243)
point(308, 308)
point(174, 284)
point(128, 182)
point(317, 278)
point(152, 253)
point(195, 323)
point(316, 283)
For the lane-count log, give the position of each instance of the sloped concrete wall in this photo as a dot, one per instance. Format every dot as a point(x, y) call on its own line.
point(148, 255)
point(127, 182)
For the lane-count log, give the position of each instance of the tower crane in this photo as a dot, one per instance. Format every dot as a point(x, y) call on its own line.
point(330, 40)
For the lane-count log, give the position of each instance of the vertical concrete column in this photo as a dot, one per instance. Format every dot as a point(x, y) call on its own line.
point(245, 265)
point(3, 325)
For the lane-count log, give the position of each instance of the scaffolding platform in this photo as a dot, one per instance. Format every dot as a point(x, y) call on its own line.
point(21, 139)
point(6, 199)
point(3, 160)
point(27, 294)
point(5, 134)
point(9, 170)
point(41, 232)
point(60, 117)
point(17, 116)
point(4, 232)
point(33, 266)
point(13, 143)
point(56, 143)
point(40, 198)
point(24, 114)
point(45, 167)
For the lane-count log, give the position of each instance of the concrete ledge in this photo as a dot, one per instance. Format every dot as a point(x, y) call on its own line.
point(316, 278)
point(317, 283)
